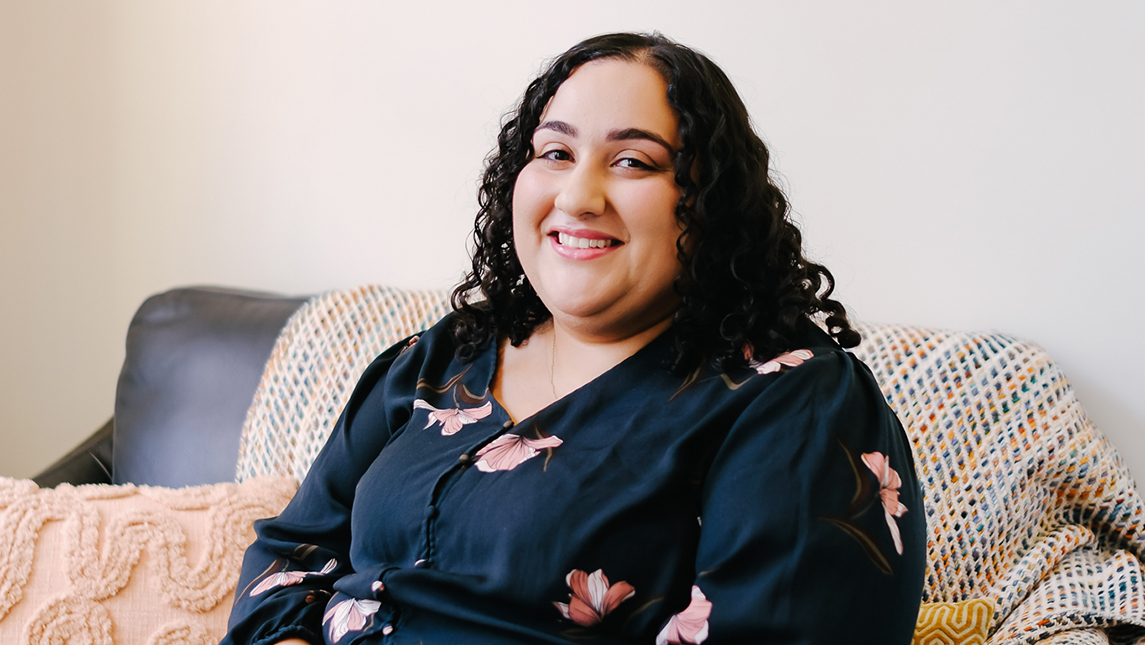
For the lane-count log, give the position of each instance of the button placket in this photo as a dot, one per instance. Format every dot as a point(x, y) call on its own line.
point(444, 483)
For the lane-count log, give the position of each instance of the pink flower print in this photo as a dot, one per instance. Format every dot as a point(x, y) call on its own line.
point(690, 625)
point(451, 419)
point(349, 616)
point(889, 484)
point(592, 598)
point(790, 359)
point(510, 450)
point(287, 578)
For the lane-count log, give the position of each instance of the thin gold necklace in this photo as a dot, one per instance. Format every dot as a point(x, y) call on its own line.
point(553, 366)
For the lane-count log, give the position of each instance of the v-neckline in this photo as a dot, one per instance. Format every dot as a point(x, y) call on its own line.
point(492, 364)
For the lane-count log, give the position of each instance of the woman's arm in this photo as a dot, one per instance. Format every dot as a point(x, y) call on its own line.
point(812, 526)
point(289, 571)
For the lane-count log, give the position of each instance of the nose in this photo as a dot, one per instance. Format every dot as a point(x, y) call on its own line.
point(583, 193)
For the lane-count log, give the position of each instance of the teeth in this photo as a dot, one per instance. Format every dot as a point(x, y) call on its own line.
point(582, 242)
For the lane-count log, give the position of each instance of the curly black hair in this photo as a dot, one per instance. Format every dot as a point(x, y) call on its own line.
point(744, 279)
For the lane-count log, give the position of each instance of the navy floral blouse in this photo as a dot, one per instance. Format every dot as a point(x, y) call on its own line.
point(773, 504)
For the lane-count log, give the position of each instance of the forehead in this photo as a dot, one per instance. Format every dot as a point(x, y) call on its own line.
point(609, 94)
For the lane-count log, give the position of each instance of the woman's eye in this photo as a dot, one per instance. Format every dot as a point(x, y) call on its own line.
point(629, 162)
point(555, 155)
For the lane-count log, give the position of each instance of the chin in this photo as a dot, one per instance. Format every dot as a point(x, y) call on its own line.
point(574, 310)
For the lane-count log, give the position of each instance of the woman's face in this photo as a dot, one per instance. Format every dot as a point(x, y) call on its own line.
point(594, 212)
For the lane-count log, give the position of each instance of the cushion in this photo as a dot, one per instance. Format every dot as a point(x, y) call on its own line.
point(947, 623)
point(125, 564)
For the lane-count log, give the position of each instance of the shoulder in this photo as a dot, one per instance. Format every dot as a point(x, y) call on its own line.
point(815, 365)
point(395, 372)
point(812, 376)
point(812, 399)
point(435, 341)
point(435, 346)
point(821, 419)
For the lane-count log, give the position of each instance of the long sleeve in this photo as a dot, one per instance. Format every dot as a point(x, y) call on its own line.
point(288, 572)
point(812, 525)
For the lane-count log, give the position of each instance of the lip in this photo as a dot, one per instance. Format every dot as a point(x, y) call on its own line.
point(579, 254)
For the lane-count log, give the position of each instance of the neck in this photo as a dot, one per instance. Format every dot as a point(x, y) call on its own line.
point(578, 357)
point(557, 359)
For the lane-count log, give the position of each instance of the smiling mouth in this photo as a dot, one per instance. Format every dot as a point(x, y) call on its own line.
point(564, 239)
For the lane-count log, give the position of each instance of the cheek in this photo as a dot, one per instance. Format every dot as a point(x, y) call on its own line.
point(528, 196)
point(657, 219)
point(527, 214)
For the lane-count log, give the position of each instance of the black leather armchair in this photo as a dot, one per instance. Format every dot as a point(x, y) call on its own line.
point(194, 359)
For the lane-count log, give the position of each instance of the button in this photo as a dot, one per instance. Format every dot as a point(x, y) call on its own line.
point(507, 424)
point(387, 630)
point(464, 458)
point(421, 564)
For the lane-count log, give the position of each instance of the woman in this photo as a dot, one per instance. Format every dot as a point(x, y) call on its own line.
point(639, 434)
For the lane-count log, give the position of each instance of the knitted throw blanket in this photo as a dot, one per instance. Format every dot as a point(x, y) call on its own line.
point(1028, 506)
point(312, 370)
point(1027, 503)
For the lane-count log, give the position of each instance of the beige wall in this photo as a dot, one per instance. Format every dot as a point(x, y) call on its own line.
point(965, 164)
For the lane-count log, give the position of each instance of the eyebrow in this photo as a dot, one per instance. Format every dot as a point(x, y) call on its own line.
point(636, 133)
point(615, 135)
point(559, 126)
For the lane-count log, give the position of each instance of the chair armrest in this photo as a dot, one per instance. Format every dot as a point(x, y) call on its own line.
point(87, 463)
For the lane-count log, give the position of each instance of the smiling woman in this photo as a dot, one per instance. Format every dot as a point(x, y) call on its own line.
point(595, 228)
point(639, 425)
point(594, 220)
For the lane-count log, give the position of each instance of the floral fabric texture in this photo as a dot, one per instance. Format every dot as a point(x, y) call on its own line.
point(642, 508)
point(592, 598)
